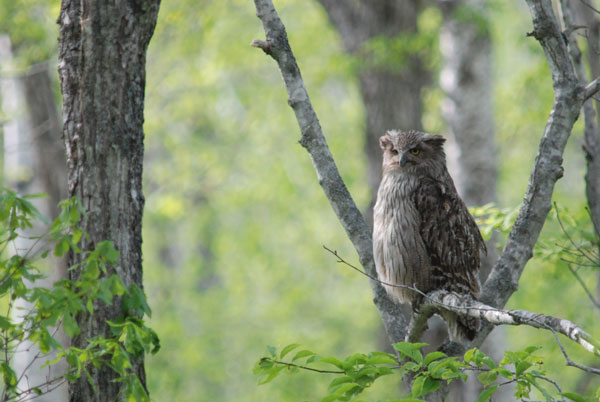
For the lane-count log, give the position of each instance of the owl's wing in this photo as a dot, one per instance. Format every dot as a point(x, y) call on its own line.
point(451, 236)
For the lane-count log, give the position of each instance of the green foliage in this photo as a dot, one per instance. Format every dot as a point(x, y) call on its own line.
point(428, 373)
point(31, 25)
point(60, 305)
point(490, 218)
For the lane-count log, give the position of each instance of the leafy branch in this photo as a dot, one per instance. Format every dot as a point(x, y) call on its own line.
point(358, 372)
point(57, 307)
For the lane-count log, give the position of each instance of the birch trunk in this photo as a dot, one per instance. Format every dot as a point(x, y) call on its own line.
point(466, 79)
point(102, 56)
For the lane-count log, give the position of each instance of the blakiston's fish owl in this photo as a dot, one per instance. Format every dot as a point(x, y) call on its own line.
point(423, 234)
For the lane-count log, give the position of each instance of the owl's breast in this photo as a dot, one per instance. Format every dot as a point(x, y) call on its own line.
point(399, 252)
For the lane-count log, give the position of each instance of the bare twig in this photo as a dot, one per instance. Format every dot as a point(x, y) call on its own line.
point(580, 251)
point(571, 362)
point(587, 292)
point(587, 4)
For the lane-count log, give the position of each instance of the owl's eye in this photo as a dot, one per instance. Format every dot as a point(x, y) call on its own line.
point(394, 152)
point(415, 151)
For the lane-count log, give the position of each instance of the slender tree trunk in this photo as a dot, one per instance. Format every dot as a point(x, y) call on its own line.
point(102, 56)
point(34, 163)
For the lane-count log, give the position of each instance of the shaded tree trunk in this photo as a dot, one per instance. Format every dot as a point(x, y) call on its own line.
point(102, 56)
point(391, 86)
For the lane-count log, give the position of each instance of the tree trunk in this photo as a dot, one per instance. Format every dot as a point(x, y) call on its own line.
point(102, 56)
point(391, 90)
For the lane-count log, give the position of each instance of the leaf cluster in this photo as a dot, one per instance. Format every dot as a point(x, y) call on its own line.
point(425, 372)
point(63, 305)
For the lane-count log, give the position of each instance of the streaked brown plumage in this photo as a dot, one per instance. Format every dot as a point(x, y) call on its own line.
point(423, 234)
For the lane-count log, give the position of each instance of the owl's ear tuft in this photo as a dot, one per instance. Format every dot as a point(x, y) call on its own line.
point(434, 140)
point(385, 141)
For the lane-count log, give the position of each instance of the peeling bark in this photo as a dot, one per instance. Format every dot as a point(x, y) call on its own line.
point(102, 69)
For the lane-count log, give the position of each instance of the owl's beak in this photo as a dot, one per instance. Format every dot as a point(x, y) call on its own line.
point(402, 159)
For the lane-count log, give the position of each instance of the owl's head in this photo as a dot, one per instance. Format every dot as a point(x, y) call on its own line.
point(412, 151)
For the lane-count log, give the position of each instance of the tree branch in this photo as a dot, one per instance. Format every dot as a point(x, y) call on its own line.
point(568, 99)
point(277, 46)
point(464, 305)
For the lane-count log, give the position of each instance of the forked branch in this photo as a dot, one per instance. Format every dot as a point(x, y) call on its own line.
point(503, 281)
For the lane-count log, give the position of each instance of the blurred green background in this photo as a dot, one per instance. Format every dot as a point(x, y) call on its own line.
point(235, 219)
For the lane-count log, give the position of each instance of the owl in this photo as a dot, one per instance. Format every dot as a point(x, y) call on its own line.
point(423, 234)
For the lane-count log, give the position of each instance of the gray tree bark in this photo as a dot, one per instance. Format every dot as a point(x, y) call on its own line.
point(102, 56)
point(34, 163)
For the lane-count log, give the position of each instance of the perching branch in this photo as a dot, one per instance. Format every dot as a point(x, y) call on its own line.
point(434, 302)
point(312, 139)
point(441, 299)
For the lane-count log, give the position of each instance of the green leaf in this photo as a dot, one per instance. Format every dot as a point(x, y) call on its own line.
point(575, 397)
point(61, 247)
point(70, 326)
point(288, 349)
point(338, 381)
point(108, 251)
point(430, 385)
point(487, 377)
point(410, 350)
point(272, 350)
point(274, 372)
point(487, 393)
point(489, 362)
point(347, 387)
point(521, 366)
point(417, 388)
point(433, 356)
point(5, 322)
point(333, 361)
point(469, 355)
point(303, 353)
point(8, 375)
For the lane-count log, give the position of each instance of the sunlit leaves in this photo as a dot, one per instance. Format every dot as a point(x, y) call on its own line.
point(97, 285)
point(428, 373)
